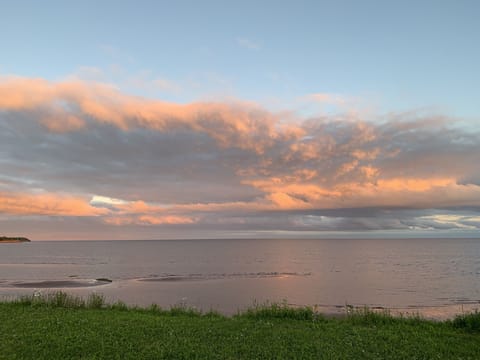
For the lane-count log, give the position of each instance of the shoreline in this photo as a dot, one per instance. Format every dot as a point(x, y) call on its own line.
point(227, 277)
point(14, 239)
point(83, 289)
point(69, 300)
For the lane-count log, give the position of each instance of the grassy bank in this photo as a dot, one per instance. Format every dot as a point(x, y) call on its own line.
point(62, 327)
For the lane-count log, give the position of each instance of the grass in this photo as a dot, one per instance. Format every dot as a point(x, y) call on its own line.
point(469, 322)
point(59, 326)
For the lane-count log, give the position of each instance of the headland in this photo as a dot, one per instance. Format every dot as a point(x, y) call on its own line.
point(6, 239)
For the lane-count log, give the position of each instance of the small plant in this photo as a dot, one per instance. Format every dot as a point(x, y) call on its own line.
point(280, 311)
point(365, 315)
point(468, 322)
point(183, 310)
point(119, 305)
point(213, 314)
point(154, 308)
point(95, 301)
point(61, 299)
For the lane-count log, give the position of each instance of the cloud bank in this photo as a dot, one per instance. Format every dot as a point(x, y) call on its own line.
point(85, 152)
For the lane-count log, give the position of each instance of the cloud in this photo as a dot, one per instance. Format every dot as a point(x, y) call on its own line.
point(241, 124)
point(46, 204)
point(326, 98)
point(150, 220)
point(60, 122)
point(248, 43)
point(166, 85)
point(115, 53)
point(85, 149)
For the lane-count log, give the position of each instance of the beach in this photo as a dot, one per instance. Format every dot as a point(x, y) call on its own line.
point(231, 275)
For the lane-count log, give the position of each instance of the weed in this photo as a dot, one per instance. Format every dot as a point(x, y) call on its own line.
point(468, 322)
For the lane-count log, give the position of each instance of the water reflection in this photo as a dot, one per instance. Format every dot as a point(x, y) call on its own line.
point(230, 274)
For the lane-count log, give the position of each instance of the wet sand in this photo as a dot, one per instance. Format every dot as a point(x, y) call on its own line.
point(218, 276)
point(433, 278)
point(54, 284)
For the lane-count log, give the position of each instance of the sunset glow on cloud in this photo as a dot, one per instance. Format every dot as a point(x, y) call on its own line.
point(85, 151)
point(116, 122)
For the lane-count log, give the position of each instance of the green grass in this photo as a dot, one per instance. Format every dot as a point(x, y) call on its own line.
point(470, 322)
point(59, 326)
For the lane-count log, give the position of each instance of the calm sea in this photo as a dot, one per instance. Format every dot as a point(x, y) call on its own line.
point(228, 275)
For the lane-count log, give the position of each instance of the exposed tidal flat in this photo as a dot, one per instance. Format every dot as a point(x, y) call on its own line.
point(60, 326)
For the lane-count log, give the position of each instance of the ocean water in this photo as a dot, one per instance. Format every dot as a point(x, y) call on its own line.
point(437, 275)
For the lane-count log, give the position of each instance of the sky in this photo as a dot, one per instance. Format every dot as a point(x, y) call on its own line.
point(239, 119)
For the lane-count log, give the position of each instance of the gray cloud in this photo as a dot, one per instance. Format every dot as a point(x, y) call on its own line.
point(220, 167)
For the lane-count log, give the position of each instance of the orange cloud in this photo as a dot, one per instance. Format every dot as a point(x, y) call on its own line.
point(326, 98)
point(317, 163)
point(20, 93)
point(46, 204)
point(242, 125)
point(366, 155)
point(62, 123)
point(283, 201)
point(282, 194)
point(169, 219)
point(138, 207)
point(415, 185)
point(370, 172)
